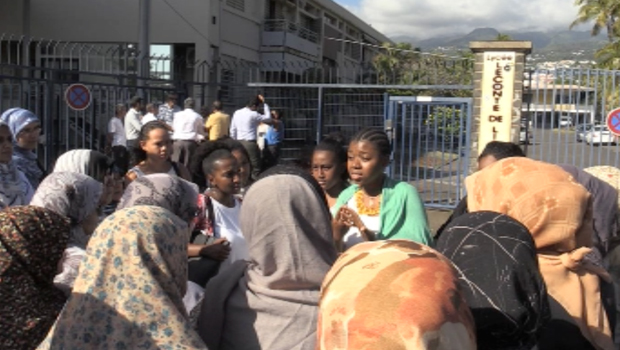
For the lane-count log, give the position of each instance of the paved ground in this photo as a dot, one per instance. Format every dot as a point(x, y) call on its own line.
point(436, 218)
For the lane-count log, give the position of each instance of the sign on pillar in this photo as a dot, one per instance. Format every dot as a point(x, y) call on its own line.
point(497, 94)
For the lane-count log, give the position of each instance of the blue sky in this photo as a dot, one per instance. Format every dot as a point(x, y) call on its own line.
point(428, 18)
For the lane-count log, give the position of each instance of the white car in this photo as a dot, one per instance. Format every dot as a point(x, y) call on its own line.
point(582, 130)
point(599, 134)
point(565, 121)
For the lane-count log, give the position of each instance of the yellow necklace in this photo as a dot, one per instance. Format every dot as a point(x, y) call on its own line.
point(362, 209)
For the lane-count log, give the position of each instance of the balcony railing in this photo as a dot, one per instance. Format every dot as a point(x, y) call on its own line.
point(282, 25)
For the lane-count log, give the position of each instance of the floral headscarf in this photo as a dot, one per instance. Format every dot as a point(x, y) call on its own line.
point(31, 244)
point(129, 293)
point(162, 190)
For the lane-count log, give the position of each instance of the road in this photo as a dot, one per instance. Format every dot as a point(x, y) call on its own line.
point(442, 185)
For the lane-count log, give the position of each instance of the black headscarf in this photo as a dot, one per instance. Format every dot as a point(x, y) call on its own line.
point(498, 270)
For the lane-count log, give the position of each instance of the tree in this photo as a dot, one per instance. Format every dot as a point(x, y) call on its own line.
point(394, 65)
point(602, 13)
point(503, 37)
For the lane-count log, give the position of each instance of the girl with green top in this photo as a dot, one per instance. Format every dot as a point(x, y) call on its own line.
point(376, 207)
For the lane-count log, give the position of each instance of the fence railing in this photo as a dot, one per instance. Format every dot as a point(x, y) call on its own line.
point(282, 25)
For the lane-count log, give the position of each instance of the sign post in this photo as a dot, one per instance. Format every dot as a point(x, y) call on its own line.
point(497, 89)
point(78, 97)
point(613, 121)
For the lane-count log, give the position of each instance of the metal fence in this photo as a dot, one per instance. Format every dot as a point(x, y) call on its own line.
point(431, 146)
point(561, 107)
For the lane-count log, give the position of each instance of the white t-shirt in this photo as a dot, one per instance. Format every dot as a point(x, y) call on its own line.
point(353, 236)
point(116, 127)
point(149, 117)
point(227, 226)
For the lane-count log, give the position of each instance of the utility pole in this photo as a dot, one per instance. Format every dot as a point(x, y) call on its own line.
point(25, 59)
point(144, 44)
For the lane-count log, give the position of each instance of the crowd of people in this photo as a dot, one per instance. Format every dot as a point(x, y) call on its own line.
point(185, 234)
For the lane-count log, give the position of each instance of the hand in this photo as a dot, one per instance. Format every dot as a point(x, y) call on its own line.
point(349, 218)
point(216, 250)
point(261, 98)
point(109, 187)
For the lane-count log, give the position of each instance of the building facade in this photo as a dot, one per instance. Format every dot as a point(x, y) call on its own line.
point(276, 34)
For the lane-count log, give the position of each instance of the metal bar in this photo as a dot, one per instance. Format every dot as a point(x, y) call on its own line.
point(364, 86)
point(319, 115)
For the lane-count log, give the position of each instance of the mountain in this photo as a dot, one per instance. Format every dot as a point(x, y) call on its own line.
point(540, 40)
point(547, 46)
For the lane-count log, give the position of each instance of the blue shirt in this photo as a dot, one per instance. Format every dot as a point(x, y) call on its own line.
point(273, 136)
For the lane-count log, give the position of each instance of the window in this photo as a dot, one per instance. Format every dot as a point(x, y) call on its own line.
point(236, 4)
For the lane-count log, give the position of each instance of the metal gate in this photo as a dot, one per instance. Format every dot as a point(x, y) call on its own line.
point(430, 145)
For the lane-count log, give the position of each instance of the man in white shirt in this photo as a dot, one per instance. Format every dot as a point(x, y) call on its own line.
point(150, 114)
point(116, 141)
point(188, 130)
point(243, 128)
point(133, 126)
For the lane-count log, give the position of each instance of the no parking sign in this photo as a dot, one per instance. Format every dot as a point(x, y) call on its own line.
point(78, 97)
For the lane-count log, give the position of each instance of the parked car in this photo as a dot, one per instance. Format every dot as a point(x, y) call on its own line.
point(565, 121)
point(524, 136)
point(582, 130)
point(600, 135)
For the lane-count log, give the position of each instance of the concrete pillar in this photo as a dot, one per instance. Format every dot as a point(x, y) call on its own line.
point(498, 92)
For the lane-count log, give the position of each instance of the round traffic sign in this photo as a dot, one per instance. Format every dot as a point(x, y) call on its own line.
point(78, 97)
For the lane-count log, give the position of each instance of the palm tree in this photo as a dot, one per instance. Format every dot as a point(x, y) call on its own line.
point(603, 13)
point(503, 37)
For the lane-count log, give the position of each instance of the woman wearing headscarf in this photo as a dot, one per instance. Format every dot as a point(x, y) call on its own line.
point(129, 292)
point(611, 176)
point(77, 197)
point(94, 164)
point(26, 129)
point(179, 197)
point(604, 210)
point(31, 244)
point(558, 213)
point(15, 189)
point(393, 295)
point(495, 257)
point(271, 301)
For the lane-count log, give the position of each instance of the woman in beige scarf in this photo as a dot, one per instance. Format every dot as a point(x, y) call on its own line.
point(557, 211)
point(271, 301)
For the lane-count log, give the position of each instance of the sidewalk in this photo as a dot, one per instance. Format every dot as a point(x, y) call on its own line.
point(436, 218)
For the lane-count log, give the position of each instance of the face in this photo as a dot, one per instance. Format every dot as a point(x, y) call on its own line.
point(28, 138)
point(172, 102)
point(158, 145)
point(365, 164)
point(485, 162)
point(152, 110)
point(90, 223)
point(244, 167)
point(326, 169)
point(226, 176)
point(6, 145)
point(121, 112)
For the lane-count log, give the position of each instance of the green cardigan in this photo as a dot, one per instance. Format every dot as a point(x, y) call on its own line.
point(402, 213)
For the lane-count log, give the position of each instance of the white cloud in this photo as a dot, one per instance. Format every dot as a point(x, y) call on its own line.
point(427, 18)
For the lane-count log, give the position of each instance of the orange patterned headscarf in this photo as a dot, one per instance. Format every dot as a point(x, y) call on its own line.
point(558, 213)
point(393, 295)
